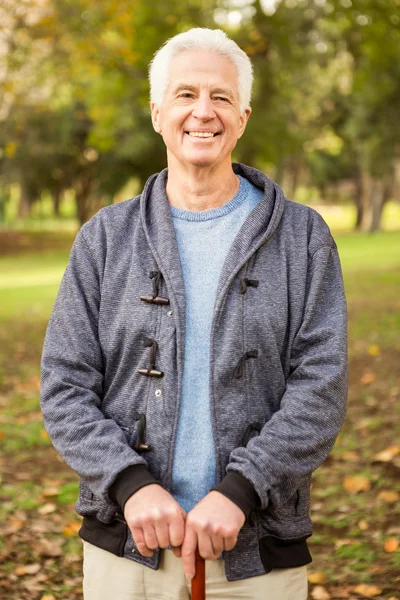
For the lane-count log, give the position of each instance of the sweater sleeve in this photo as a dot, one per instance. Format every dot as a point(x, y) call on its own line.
point(72, 381)
point(300, 435)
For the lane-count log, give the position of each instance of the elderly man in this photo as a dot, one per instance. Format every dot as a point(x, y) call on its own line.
point(194, 367)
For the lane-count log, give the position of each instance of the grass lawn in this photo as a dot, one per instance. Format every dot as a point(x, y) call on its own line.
point(356, 492)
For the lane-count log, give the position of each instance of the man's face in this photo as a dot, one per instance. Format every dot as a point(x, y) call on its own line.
point(199, 117)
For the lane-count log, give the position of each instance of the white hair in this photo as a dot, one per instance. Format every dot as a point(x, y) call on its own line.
point(199, 38)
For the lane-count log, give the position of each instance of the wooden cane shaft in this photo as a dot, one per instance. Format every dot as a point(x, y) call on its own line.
point(199, 580)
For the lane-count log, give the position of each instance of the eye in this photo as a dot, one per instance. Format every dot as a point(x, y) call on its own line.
point(186, 95)
point(221, 98)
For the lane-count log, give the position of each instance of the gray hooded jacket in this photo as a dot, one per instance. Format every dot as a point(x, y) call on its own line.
point(278, 378)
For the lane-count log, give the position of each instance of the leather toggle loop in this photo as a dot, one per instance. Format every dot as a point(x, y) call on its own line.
point(141, 446)
point(155, 276)
point(240, 366)
point(151, 371)
point(245, 283)
point(250, 429)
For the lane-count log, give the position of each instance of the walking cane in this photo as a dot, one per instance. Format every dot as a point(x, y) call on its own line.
point(199, 580)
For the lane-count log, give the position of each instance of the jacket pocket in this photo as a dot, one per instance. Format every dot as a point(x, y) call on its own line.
point(298, 506)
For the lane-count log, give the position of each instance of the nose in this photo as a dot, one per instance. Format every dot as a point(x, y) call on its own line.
point(203, 108)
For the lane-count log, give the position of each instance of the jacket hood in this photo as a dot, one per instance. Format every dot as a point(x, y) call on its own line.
point(258, 228)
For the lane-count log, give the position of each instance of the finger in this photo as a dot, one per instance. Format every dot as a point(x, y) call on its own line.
point(205, 546)
point(177, 531)
point(138, 538)
point(188, 552)
point(217, 543)
point(230, 542)
point(162, 534)
point(150, 538)
point(177, 550)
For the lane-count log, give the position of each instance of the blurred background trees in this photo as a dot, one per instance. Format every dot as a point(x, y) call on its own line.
point(74, 116)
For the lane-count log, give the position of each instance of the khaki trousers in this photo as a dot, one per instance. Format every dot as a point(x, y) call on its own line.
point(108, 577)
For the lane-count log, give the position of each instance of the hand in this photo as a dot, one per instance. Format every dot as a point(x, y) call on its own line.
point(213, 525)
point(155, 519)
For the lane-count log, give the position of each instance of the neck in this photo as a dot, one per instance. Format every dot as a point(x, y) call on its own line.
point(201, 188)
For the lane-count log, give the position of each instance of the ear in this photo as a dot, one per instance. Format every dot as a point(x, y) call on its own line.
point(244, 117)
point(155, 117)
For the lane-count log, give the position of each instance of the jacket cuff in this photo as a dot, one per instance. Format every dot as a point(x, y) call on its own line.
point(239, 489)
point(129, 481)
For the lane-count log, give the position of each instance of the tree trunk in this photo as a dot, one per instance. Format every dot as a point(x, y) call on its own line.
point(82, 192)
point(56, 196)
point(375, 192)
point(366, 200)
point(396, 180)
point(25, 200)
point(377, 203)
point(358, 203)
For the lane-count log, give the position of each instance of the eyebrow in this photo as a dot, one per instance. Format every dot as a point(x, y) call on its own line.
point(192, 88)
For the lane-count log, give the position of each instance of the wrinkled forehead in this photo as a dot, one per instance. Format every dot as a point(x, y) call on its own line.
point(202, 69)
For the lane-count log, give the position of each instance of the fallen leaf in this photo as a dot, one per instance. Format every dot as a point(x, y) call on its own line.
point(344, 542)
point(13, 526)
point(46, 509)
point(27, 570)
point(48, 548)
point(391, 545)
point(393, 598)
point(317, 577)
point(388, 454)
point(374, 350)
point(73, 557)
point(341, 593)
point(47, 597)
point(43, 434)
point(369, 591)
point(320, 593)
point(71, 528)
point(389, 496)
point(350, 455)
point(368, 378)
point(51, 491)
point(356, 483)
point(363, 525)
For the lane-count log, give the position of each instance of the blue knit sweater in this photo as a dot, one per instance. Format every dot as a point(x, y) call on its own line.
point(204, 238)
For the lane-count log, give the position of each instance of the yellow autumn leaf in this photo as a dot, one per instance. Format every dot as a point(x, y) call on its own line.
point(356, 483)
point(317, 577)
point(11, 149)
point(368, 591)
point(374, 350)
point(388, 454)
point(363, 525)
point(43, 434)
point(71, 528)
point(389, 496)
point(391, 545)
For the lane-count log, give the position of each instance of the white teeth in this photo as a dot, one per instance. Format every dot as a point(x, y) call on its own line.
point(201, 134)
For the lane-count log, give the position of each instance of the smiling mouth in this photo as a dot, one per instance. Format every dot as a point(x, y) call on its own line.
point(202, 134)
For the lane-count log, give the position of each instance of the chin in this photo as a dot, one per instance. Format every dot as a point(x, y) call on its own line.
point(202, 161)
